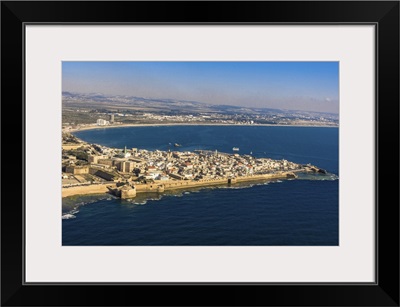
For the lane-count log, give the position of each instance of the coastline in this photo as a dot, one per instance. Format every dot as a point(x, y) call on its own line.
point(189, 124)
point(171, 185)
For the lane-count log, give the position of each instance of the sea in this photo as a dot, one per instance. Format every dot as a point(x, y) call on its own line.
point(299, 212)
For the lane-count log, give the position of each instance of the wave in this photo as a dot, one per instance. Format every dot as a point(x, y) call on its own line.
point(68, 216)
point(139, 203)
point(71, 204)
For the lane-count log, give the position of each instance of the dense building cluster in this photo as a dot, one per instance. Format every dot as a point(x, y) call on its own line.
point(110, 164)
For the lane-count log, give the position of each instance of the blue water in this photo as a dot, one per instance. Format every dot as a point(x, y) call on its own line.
point(289, 212)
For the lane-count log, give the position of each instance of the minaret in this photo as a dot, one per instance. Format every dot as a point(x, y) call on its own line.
point(125, 150)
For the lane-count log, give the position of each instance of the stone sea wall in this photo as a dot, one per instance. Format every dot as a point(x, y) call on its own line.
point(87, 189)
point(161, 186)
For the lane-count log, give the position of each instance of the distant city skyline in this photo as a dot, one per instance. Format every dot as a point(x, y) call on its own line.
point(307, 86)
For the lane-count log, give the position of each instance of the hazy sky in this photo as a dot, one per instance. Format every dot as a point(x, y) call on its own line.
point(312, 86)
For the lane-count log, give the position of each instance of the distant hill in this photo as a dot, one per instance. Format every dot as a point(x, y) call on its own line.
point(98, 100)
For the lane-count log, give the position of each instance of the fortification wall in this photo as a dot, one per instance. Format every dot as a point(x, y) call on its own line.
point(262, 177)
point(71, 146)
point(183, 184)
point(87, 189)
point(128, 193)
point(149, 188)
point(159, 187)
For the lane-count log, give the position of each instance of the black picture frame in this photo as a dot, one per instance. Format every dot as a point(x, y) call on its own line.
point(383, 14)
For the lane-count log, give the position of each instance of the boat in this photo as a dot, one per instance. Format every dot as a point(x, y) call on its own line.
point(235, 148)
point(177, 145)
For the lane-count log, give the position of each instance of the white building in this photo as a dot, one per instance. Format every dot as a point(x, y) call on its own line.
point(102, 122)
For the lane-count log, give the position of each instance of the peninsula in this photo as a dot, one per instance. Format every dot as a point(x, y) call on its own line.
point(94, 169)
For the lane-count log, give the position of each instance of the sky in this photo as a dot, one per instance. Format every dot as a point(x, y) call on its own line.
point(308, 86)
